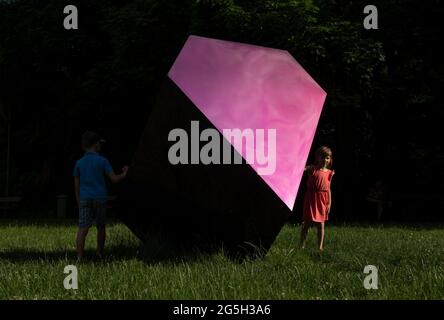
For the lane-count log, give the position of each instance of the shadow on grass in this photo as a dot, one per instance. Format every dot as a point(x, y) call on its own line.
point(113, 254)
point(148, 254)
point(152, 252)
point(47, 222)
point(154, 249)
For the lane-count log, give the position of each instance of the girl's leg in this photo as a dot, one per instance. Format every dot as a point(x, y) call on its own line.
point(304, 233)
point(320, 227)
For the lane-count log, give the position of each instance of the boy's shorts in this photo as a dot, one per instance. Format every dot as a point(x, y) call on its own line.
point(90, 209)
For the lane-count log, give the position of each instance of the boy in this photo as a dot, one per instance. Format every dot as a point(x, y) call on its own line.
point(91, 191)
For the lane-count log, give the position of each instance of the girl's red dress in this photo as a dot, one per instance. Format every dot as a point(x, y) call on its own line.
point(316, 198)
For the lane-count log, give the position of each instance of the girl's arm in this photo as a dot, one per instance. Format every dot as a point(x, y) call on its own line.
point(308, 168)
point(329, 192)
point(329, 199)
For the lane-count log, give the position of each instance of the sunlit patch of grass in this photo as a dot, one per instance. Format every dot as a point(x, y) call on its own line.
point(410, 264)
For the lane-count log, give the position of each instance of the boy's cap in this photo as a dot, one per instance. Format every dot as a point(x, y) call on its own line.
point(90, 138)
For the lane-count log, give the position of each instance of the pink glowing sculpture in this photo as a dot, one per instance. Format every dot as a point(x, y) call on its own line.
point(244, 86)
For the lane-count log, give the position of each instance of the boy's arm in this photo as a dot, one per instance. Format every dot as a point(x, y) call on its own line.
point(77, 189)
point(115, 178)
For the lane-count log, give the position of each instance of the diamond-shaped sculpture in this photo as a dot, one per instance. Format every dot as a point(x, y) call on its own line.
point(243, 86)
point(224, 85)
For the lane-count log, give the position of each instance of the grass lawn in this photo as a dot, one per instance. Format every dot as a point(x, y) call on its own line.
point(410, 264)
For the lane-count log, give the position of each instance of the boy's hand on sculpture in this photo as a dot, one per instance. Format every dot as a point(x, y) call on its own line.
point(115, 178)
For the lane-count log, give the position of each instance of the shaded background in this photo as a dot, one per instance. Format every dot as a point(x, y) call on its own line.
point(382, 115)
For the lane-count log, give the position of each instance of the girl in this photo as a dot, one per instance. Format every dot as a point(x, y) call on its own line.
point(317, 201)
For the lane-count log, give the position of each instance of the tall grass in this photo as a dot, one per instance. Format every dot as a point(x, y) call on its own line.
point(410, 264)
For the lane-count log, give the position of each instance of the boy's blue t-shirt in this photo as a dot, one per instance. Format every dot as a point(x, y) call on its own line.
point(92, 169)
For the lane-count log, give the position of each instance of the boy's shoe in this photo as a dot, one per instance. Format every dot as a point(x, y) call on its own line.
point(100, 256)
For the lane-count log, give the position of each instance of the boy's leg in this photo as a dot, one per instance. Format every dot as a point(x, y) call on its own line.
point(80, 242)
point(304, 232)
point(320, 227)
point(100, 208)
point(85, 220)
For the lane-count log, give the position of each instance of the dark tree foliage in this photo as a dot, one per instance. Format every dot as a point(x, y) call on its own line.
point(381, 118)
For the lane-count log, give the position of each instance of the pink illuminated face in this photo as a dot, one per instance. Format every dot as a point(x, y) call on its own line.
point(241, 86)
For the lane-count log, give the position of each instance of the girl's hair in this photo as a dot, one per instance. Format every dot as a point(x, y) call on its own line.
point(322, 152)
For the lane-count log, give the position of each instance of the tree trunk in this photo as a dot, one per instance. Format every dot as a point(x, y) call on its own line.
point(8, 158)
